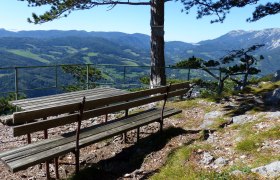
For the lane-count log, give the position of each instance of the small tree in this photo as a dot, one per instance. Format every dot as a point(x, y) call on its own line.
point(236, 62)
point(80, 74)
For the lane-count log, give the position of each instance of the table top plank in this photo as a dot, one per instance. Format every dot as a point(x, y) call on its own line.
point(65, 98)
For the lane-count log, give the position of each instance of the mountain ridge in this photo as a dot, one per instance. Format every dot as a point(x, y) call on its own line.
point(76, 44)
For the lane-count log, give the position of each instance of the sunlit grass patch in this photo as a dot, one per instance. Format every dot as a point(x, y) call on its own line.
point(265, 87)
point(180, 166)
point(254, 140)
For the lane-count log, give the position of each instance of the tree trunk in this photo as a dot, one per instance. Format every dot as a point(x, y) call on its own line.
point(244, 83)
point(157, 76)
point(220, 87)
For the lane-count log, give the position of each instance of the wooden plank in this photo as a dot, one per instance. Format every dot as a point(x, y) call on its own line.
point(177, 86)
point(178, 93)
point(121, 98)
point(72, 100)
point(62, 98)
point(28, 147)
point(28, 116)
point(121, 106)
point(60, 95)
point(63, 149)
point(44, 124)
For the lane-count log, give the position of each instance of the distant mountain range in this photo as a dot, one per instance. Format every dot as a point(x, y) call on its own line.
point(64, 47)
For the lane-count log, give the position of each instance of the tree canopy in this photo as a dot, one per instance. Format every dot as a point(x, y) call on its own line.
point(220, 8)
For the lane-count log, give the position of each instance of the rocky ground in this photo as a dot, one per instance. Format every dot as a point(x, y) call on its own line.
point(236, 136)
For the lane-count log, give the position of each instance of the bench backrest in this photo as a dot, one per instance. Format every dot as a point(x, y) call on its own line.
point(92, 108)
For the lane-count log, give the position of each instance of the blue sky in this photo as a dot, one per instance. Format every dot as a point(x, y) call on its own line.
point(136, 19)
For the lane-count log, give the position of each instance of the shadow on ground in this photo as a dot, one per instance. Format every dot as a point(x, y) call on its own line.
point(130, 158)
point(248, 102)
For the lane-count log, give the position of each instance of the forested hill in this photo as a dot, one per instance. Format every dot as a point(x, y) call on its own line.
point(64, 47)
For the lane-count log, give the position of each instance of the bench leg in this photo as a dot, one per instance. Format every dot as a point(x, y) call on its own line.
point(106, 118)
point(28, 138)
point(48, 170)
point(56, 168)
point(160, 126)
point(125, 137)
point(47, 162)
point(77, 161)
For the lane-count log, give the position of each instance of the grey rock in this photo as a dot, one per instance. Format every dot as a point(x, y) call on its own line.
point(209, 119)
point(271, 170)
point(8, 119)
point(273, 97)
point(272, 115)
point(221, 161)
point(237, 173)
point(213, 115)
point(276, 76)
point(242, 119)
point(207, 158)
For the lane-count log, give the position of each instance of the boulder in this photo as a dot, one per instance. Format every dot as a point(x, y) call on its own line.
point(209, 119)
point(241, 119)
point(271, 170)
point(207, 158)
point(221, 161)
point(272, 115)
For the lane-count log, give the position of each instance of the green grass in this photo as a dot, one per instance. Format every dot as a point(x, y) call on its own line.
point(55, 52)
point(50, 56)
point(218, 122)
point(264, 87)
point(28, 54)
point(3, 75)
point(253, 140)
point(179, 166)
point(84, 49)
point(184, 104)
point(69, 49)
point(131, 52)
point(92, 54)
point(130, 63)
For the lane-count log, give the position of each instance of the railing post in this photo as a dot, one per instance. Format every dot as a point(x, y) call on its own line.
point(189, 74)
point(220, 74)
point(16, 83)
point(87, 76)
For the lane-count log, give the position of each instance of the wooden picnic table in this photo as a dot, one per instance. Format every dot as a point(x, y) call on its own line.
point(40, 114)
point(66, 98)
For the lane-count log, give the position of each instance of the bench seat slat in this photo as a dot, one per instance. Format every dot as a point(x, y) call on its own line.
point(87, 137)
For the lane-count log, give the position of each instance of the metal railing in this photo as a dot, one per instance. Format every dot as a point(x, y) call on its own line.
point(127, 76)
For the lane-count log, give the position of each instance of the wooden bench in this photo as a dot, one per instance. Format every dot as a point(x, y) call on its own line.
point(48, 149)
